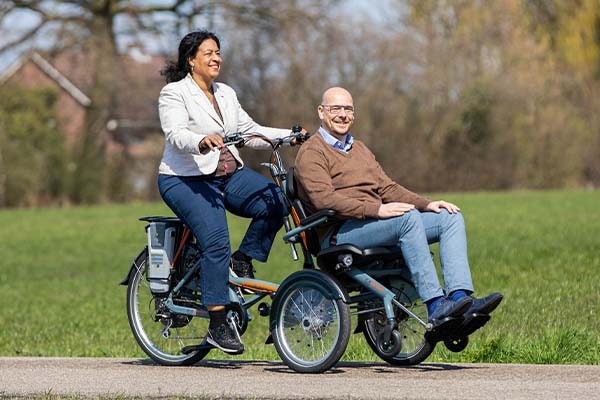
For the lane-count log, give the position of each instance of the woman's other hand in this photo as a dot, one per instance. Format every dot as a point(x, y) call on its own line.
point(211, 142)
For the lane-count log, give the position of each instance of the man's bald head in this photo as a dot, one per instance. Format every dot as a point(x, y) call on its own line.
point(333, 93)
point(336, 111)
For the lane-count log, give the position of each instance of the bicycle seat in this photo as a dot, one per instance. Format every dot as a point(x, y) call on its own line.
point(159, 218)
point(331, 255)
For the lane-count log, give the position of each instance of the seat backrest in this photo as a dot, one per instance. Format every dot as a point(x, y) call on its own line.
point(292, 193)
point(312, 241)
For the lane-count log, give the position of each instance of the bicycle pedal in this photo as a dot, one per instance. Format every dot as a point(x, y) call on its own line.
point(444, 329)
point(471, 323)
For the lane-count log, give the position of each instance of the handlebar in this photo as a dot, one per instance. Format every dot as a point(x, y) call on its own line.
point(239, 139)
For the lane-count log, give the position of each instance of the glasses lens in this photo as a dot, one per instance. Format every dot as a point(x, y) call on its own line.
point(335, 109)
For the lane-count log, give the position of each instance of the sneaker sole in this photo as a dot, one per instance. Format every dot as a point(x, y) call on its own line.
point(225, 349)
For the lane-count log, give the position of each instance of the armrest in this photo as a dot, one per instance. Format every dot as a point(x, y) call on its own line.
point(308, 223)
point(318, 215)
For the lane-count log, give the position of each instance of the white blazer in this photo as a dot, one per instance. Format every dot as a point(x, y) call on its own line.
point(187, 116)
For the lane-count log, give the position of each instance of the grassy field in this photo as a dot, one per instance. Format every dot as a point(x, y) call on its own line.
point(60, 268)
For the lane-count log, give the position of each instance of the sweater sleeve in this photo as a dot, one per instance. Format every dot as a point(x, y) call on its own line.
point(391, 191)
point(312, 171)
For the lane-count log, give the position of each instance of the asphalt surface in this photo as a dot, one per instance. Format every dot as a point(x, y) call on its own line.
point(114, 377)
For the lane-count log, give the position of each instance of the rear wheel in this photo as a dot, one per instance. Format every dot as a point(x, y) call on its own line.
point(415, 348)
point(312, 326)
point(159, 332)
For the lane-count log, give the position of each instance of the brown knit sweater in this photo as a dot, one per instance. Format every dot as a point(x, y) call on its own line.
point(353, 184)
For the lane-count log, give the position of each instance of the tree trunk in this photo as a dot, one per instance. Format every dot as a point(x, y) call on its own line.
point(90, 175)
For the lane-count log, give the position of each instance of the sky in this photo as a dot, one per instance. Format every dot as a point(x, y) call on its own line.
point(22, 21)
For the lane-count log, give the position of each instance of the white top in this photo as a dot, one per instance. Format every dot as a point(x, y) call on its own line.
point(187, 116)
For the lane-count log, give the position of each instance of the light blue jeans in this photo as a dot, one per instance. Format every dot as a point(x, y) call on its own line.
point(412, 233)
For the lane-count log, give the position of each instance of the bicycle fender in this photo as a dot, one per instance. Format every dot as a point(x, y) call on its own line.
point(131, 271)
point(335, 289)
point(125, 281)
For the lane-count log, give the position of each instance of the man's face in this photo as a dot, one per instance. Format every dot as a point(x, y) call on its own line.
point(336, 111)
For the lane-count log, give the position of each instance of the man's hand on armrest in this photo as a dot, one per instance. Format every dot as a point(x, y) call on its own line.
point(389, 210)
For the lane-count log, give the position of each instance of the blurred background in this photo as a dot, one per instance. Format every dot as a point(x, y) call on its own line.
point(459, 95)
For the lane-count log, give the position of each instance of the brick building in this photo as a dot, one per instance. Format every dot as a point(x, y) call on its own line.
point(133, 130)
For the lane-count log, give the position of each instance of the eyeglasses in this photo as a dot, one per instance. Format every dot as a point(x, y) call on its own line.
point(335, 109)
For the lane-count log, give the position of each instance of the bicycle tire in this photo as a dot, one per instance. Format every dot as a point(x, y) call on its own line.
point(415, 347)
point(149, 332)
point(312, 325)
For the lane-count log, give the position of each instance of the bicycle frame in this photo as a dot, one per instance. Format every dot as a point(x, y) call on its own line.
point(259, 288)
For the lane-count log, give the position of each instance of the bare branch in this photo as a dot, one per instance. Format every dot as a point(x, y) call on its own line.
point(27, 36)
point(137, 10)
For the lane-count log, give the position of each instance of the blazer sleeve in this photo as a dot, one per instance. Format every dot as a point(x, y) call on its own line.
point(247, 125)
point(174, 120)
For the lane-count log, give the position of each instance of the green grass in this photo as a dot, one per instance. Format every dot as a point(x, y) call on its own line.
point(60, 269)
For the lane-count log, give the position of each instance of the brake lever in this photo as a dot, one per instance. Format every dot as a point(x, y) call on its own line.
point(235, 139)
point(296, 132)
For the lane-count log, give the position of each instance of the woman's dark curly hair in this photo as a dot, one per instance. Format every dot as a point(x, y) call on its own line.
point(188, 47)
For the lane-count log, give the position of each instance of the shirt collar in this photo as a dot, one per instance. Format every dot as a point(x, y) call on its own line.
point(333, 142)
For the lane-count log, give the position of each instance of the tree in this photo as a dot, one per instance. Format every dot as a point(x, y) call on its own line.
point(32, 152)
point(107, 27)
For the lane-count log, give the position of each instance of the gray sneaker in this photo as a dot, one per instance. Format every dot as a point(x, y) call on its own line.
point(242, 268)
point(224, 338)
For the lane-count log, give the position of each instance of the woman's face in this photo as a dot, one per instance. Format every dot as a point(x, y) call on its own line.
point(207, 62)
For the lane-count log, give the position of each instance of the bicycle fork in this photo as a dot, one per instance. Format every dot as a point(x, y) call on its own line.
point(388, 298)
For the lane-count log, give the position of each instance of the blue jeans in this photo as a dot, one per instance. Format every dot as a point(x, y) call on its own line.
point(412, 233)
point(201, 203)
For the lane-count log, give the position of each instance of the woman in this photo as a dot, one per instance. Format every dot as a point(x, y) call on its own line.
point(199, 178)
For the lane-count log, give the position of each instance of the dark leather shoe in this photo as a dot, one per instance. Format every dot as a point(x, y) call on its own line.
point(478, 314)
point(450, 308)
point(486, 304)
point(447, 318)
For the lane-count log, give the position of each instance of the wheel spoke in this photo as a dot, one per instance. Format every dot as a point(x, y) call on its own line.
point(148, 331)
point(312, 329)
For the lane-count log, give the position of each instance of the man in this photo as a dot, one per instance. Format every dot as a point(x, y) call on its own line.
point(336, 171)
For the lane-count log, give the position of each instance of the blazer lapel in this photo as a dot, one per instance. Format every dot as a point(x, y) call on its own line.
point(201, 99)
point(221, 102)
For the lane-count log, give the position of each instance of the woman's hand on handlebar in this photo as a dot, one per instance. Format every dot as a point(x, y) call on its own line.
point(211, 142)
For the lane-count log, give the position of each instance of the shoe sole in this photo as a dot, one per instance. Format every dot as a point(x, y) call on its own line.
point(196, 347)
point(225, 349)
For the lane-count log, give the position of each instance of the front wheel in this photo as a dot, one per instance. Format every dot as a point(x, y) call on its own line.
point(160, 333)
point(312, 325)
point(415, 347)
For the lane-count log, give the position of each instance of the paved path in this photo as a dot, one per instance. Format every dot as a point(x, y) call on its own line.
point(114, 377)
